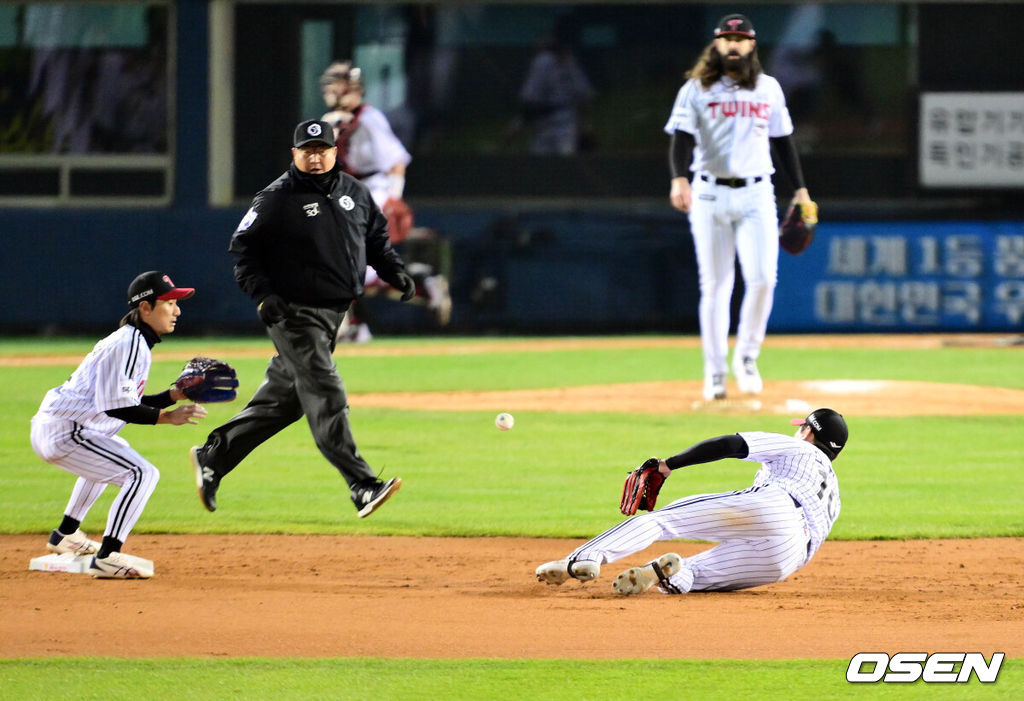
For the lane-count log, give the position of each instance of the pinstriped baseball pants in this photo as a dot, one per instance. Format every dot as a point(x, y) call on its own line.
point(98, 460)
point(762, 538)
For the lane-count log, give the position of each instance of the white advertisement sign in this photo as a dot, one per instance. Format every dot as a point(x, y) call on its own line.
point(972, 140)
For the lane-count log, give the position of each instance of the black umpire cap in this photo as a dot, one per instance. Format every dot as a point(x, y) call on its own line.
point(829, 429)
point(313, 131)
point(154, 285)
point(735, 24)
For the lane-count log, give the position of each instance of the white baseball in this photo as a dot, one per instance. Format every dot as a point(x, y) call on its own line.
point(504, 421)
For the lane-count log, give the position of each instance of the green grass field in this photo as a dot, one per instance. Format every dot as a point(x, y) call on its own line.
point(902, 477)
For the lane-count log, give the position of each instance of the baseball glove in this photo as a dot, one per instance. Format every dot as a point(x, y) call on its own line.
point(399, 217)
point(205, 380)
point(797, 230)
point(641, 488)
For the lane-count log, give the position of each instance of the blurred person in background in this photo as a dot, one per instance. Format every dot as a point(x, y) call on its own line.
point(369, 151)
point(555, 98)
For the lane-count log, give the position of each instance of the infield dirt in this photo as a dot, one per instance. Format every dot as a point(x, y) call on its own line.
point(341, 596)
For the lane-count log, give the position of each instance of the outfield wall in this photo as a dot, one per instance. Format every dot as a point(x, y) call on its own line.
point(517, 270)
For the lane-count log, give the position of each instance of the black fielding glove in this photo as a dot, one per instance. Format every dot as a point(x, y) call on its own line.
point(273, 309)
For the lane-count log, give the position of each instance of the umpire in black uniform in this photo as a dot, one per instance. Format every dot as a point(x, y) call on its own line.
point(301, 252)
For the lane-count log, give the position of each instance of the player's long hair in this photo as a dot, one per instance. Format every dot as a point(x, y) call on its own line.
point(130, 319)
point(711, 66)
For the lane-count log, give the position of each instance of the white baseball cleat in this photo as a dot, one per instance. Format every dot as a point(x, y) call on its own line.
point(747, 376)
point(714, 387)
point(77, 543)
point(557, 571)
point(637, 580)
point(120, 566)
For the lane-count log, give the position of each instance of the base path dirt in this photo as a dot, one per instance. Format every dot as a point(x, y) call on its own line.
point(342, 596)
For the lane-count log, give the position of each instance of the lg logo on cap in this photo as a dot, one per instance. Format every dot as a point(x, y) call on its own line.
point(314, 129)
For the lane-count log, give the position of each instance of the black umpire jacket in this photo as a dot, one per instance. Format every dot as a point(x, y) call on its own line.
point(308, 238)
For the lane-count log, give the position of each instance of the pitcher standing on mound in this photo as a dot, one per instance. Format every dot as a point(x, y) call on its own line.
point(726, 120)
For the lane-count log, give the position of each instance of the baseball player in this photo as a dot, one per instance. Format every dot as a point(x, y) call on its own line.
point(300, 253)
point(726, 120)
point(77, 424)
point(765, 532)
point(369, 151)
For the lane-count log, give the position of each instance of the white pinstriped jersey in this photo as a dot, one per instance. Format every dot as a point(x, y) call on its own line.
point(804, 472)
point(113, 375)
point(731, 125)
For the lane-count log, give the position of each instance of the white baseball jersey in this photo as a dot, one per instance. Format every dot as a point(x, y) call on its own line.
point(731, 125)
point(766, 532)
point(112, 376)
point(804, 472)
point(72, 431)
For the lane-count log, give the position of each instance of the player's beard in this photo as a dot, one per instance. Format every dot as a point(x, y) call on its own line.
point(743, 69)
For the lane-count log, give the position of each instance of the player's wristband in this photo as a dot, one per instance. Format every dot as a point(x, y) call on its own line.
point(396, 186)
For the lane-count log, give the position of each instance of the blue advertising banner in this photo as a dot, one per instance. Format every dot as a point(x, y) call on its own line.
point(904, 276)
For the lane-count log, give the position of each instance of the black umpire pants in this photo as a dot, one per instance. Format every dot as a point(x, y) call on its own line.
point(302, 379)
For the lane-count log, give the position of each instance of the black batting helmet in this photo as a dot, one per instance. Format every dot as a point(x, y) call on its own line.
point(829, 429)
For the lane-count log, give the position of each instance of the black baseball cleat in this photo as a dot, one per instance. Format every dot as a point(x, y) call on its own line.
point(207, 481)
point(370, 495)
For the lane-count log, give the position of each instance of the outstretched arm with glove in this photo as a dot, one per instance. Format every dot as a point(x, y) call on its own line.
point(644, 483)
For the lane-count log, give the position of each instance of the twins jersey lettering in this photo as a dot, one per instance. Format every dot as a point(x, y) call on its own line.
point(765, 532)
point(731, 125)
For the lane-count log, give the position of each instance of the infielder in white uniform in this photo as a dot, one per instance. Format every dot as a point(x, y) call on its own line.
point(765, 533)
point(77, 424)
point(725, 121)
point(369, 150)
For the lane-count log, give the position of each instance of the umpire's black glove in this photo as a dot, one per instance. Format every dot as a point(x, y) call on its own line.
point(404, 284)
point(273, 309)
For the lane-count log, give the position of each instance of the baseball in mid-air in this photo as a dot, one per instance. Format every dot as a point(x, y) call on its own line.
point(504, 421)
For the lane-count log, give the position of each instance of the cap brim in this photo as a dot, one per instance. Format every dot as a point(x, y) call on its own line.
point(178, 293)
point(748, 35)
point(307, 142)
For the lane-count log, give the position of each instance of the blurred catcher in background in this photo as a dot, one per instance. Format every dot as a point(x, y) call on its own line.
point(369, 151)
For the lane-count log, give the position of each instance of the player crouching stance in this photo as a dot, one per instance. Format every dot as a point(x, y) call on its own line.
point(764, 533)
point(77, 424)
